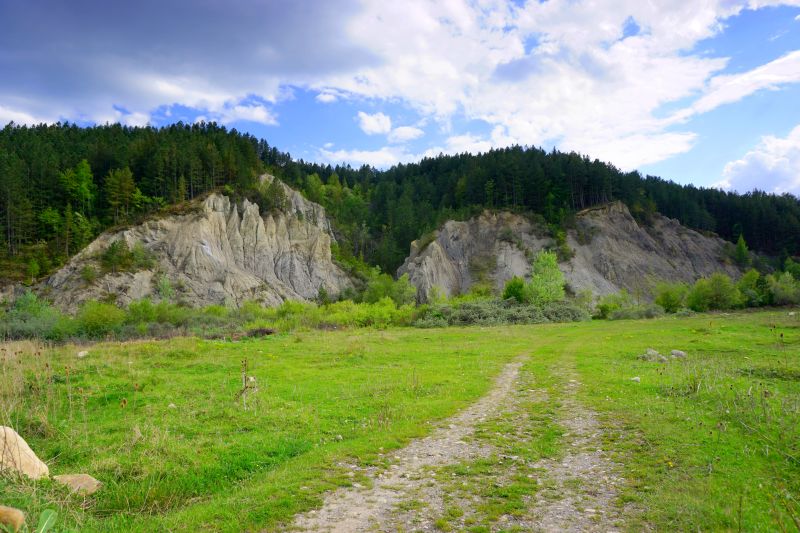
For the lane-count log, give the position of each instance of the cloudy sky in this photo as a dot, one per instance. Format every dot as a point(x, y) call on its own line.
point(697, 91)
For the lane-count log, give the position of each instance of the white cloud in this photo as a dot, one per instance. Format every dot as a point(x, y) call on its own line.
point(326, 98)
point(559, 72)
point(774, 161)
point(727, 89)
point(18, 117)
point(374, 124)
point(382, 158)
point(247, 112)
point(403, 134)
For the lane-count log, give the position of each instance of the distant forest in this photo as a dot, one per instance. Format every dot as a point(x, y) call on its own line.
point(61, 185)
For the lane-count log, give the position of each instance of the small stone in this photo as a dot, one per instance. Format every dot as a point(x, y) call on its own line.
point(338, 437)
point(172, 406)
point(82, 354)
point(651, 352)
point(678, 354)
point(11, 518)
point(83, 484)
point(16, 455)
point(357, 485)
point(636, 379)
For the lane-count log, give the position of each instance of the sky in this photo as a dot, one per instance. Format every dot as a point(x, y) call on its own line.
point(695, 91)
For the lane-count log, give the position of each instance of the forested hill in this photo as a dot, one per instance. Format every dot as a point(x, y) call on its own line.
point(61, 185)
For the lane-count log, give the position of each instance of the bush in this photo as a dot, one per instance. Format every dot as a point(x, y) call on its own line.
point(752, 289)
point(32, 318)
point(117, 257)
point(88, 274)
point(547, 282)
point(141, 258)
point(636, 312)
point(785, 290)
point(611, 303)
point(714, 293)
point(380, 286)
point(515, 288)
point(97, 319)
point(496, 312)
point(164, 287)
point(671, 296)
point(141, 312)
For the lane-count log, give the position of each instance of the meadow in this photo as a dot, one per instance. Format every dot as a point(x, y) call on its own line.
point(711, 442)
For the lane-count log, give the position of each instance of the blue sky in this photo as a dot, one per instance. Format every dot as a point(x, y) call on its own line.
point(697, 91)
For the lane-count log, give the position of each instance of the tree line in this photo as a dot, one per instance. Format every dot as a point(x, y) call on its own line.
point(61, 184)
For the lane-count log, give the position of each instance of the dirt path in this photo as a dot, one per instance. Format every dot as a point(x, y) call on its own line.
point(422, 492)
point(367, 509)
point(584, 482)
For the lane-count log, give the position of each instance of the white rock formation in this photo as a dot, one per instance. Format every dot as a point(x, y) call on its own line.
point(612, 252)
point(222, 253)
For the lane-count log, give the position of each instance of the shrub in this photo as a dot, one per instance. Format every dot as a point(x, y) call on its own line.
point(33, 318)
point(140, 311)
point(164, 287)
point(547, 281)
point(792, 267)
point(97, 319)
point(515, 288)
point(636, 312)
point(563, 251)
point(714, 293)
point(88, 274)
point(496, 312)
point(117, 257)
point(380, 286)
point(671, 296)
point(141, 258)
point(752, 290)
point(610, 303)
point(785, 290)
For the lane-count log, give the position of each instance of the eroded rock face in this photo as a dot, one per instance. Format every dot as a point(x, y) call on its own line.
point(17, 456)
point(224, 253)
point(612, 252)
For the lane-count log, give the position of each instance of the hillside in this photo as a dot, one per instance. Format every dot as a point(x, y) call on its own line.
point(612, 251)
point(223, 252)
point(62, 185)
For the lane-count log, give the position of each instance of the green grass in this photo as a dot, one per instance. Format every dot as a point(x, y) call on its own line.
point(709, 443)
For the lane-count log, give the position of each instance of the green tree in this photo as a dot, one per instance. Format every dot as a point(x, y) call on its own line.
point(120, 190)
point(79, 185)
point(547, 281)
point(741, 254)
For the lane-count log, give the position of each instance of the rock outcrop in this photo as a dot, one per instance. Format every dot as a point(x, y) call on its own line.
point(222, 252)
point(17, 456)
point(612, 252)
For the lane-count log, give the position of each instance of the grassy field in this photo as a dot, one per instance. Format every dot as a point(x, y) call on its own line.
point(712, 442)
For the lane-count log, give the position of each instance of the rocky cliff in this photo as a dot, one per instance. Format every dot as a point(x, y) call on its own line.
point(611, 252)
point(220, 253)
